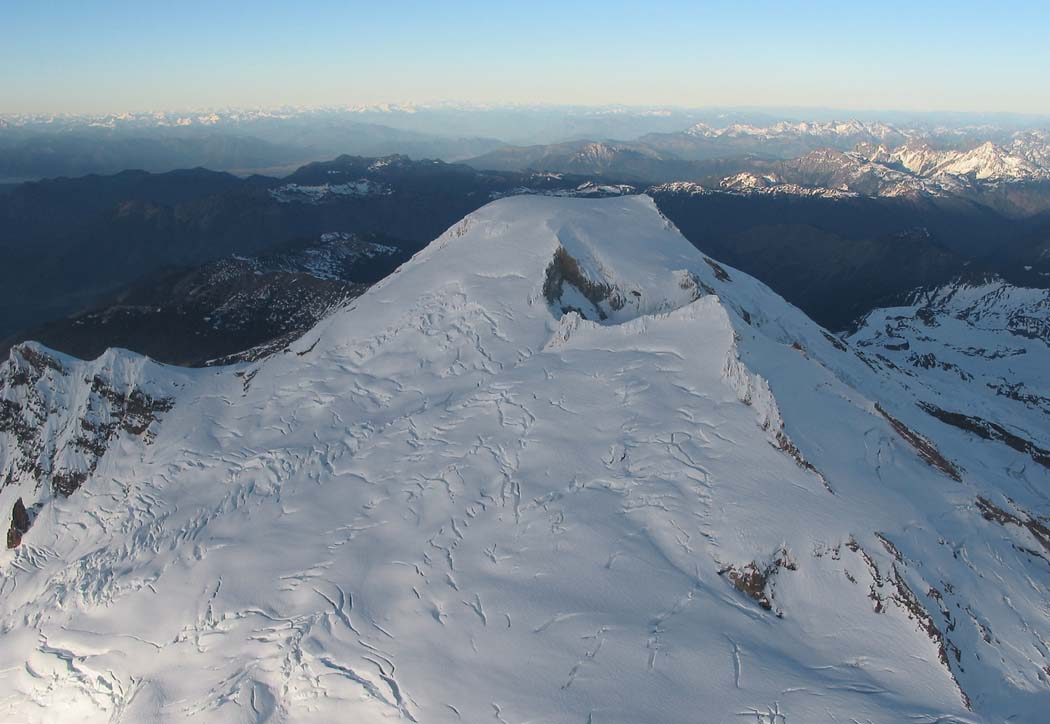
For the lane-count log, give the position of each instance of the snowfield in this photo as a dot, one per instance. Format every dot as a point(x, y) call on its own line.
point(559, 467)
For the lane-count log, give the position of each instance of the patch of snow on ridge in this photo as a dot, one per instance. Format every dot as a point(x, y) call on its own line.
point(623, 519)
point(747, 183)
point(298, 193)
point(587, 189)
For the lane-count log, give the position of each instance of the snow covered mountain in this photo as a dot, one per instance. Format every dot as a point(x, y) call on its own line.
point(982, 344)
point(1007, 171)
point(559, 467)
point(1025, 159)
point(746, 183)
point(913, 169)
point(852, 130)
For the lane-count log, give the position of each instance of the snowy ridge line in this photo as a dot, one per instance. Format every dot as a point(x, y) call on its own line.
point(753, 390)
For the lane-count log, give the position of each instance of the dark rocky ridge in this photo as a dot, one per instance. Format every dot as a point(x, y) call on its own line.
point(989, 431)
point(225, 307)
point(836, 259)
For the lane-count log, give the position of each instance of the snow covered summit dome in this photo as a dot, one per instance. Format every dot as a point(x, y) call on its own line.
point(559, 467)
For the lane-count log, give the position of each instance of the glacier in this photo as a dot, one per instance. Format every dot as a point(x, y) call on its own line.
point(561, 467)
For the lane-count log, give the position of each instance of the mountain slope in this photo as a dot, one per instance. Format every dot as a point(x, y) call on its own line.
point(559, 467)
point(230, 306)
point(981, 345)
point(835, 258)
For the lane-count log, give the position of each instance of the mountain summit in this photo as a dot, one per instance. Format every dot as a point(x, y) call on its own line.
point(559, 467)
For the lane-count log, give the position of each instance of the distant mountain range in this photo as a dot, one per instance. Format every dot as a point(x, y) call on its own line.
point(71, 245)
point(243, 143)
point(862, 158)
point(276, 141)
point(837, 232)
point(635, 162)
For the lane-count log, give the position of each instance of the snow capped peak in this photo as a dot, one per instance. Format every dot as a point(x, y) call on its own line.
point(524, 242)
point(782, 129)
point(560, 452)
point(600, 154)
point(879, 159)
point(749, 181)
point(773, 184)
point(988, 162)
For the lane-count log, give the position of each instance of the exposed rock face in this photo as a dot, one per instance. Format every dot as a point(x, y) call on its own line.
point(990, 431)
point(19, 524)
point(926, 449)
point(1037, 528)
point(565, 271)
point(59, 416)
point(757, 582)
point(975, 352)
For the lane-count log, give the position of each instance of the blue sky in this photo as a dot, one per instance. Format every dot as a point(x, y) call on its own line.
point(114, 55)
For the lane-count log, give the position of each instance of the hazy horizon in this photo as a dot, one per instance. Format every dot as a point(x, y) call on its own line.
point(118, 56)
point(792, 112)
